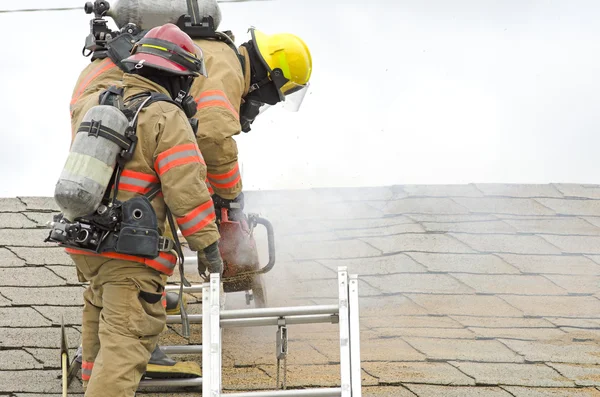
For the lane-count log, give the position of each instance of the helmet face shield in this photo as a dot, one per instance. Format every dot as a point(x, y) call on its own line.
point(294, 96)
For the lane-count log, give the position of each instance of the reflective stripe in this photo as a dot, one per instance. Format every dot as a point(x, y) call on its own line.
point(86, 370)
point(164, 299)
point(137, 182)
point(86, 166)
point(197, 219)
point(164, 262)
point(103, 66)
point(226, 180)
point(178, 155)
point(215, 98)
point(211, 191)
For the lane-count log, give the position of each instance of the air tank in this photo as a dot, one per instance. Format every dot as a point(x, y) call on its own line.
point(148, 14)
point(90, 164)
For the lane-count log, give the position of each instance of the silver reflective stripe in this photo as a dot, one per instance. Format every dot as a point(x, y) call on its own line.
point(226, 180)
point(213, 98)
point(134, 181)
point(195, 220)
point(165, 262)
point(175, 156)
point(85, 371)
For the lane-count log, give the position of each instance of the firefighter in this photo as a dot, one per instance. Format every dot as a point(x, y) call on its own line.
point(274, 68)
point(123, 315)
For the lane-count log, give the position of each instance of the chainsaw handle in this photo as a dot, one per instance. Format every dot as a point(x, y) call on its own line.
point(270, 242)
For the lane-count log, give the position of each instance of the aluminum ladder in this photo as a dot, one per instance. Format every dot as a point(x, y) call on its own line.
point(213, 320)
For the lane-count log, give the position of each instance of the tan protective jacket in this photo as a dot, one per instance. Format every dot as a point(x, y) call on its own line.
point(95, 78)
point(167, 154)
point(219, 98)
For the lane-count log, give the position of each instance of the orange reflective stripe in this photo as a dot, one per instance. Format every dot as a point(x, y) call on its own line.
point(164, 262)
point(86, 370)
point(211, 191)
point(137, 182)
point(102, 67)
point(226, 180)
point(215, 98)
point(178, 155)
point(197, 219)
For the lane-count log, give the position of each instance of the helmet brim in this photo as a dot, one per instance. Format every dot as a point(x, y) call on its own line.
point(156, 62)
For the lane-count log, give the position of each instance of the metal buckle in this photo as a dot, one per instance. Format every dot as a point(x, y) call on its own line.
point(165, 244)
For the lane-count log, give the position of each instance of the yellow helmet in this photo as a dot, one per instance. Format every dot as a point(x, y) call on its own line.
point(289, 54)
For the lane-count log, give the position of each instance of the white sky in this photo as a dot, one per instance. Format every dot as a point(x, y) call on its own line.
point(421, 91)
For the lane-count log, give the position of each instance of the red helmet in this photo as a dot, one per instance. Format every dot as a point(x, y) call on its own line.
point(169, 49)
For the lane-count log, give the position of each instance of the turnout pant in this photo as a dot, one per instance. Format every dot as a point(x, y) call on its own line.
point(122, 318)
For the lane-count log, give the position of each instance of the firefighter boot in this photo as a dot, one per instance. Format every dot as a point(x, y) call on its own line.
point(163, 367)
point(172, 307)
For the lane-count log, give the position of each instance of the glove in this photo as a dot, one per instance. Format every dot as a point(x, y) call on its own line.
point(248, 112)
point(236, 203)
point(209, 260)
point(234, 207)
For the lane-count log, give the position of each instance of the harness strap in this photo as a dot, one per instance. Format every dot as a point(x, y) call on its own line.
point(96, 128)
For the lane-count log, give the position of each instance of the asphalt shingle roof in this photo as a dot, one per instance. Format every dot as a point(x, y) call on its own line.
point(466, 290)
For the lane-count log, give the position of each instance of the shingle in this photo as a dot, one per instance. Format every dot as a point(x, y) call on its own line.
point(518, 190)
point(61, 296)
point(450, 391)
point(8, 259)
point(552, 264)
point(470, 227)
point(505, 243)
point(514, 374)
point(72, 314)
point(575, 244)
point(442, 190)
point(386, 391)
point(28, 277)
point(48, 337)
point(21, 317)
point(557, 351)
point(11, 205)
point(417, 372)
point(419, 243)
point(572, 206)
point(577, 284)
point(417, 283)
point(583, 375)
point(410, 322)
point(40, 203)
point(463, 263)
point(515, 206)
point(397, 330)
point(330, 250)
point(37, 381)
point(10, 220)
point(464, 350)
point(467, 305)
point(380, 265)
point(551, 392)
point(556, 306)
point(564, 225)
point(43, 256)
point(23, 237)
point(503, 322)
point(40, 219)
point(519, 333)
point(510, 284)
point(579, 191)
point(17, 359)
point(424, 206)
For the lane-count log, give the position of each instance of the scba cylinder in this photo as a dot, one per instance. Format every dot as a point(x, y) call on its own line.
point(91, 162)
point(147, 14)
